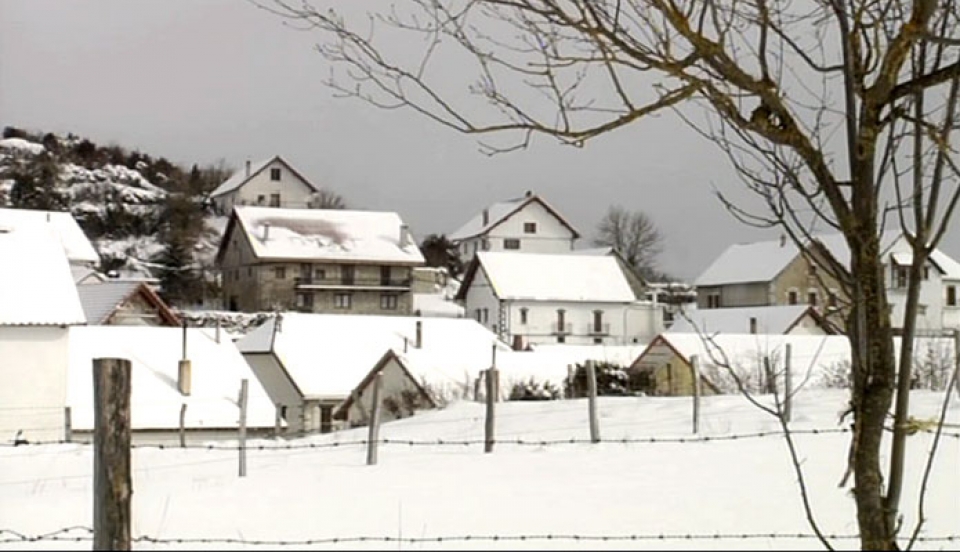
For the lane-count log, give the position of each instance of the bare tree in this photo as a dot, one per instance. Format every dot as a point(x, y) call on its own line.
point(326, 199)
point(838, 114)
point(634, 235)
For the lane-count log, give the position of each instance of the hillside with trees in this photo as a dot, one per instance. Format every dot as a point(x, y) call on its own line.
point(145, 215)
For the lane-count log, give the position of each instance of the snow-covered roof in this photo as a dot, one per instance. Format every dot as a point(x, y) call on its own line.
point(949, 267)
point(71, 237)
point(36, 285)
point(240, 177)
point(327, 234)
point(327, 355)
point(549, 277)
point(498, 212)
point(99, 301)
point(154, 352)
point(19, 144)
point(749, 262)
point(769, 320)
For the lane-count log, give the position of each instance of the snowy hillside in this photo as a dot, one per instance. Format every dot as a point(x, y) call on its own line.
point(729, 488)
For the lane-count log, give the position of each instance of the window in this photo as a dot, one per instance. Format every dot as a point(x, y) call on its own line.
point(305, 270)
point(529, 228)
point(561, 338)
point(753, 325)
point(485, 244)
point(713, 301)
point(385, 276)
point(305, 300)
point(478, 313)
point(812, 297)
point(523, 315)
point(342, 301)
point(486, 316)
point(793, 297)
point(597, 321)
point(900, 275)
point(346, 275)
point(274, 200)
point(249, 271)
point(921, 310)
point(319, 274)
point(275, 174)
point(598, 341)
point(280, 272)
point(511, 243)
point(261, 199)
point(813, 269)
point(951, 296)
point(561, 320)
point(832, 300)
point(388, 301)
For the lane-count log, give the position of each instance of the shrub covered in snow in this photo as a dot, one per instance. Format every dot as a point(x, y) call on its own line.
point(612, 380)
point(533, 390)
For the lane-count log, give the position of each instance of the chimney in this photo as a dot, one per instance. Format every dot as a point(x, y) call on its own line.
point(419, 342)
point(517, 342)
point(405, 238)
point(486, 217)
point(266, 231)
point(184, 368)
point(248, 168)
point(528, 194)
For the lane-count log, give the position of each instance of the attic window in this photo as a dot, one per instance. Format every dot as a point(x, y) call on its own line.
point(951, 296)
point(529, 228)
point(275, 174)
point(793, 297)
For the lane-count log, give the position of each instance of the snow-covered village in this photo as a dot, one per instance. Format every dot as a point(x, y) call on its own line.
point(445, 303)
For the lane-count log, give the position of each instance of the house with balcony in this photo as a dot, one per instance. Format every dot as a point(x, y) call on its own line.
point(317, 260)
point(525, 224)
point(535, 298)
point(270, 182)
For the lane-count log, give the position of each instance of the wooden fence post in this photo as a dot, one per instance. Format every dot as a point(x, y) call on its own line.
point(277, 419)
point(788, 384)
point(183, 425)
point(111, 454)
point(243, 427)
point(67, 425)
point(373, 432)
point(592, 401)
point(695, 367)
point(493, 382)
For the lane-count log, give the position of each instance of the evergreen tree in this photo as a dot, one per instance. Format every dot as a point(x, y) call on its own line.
point(439, 251)
point(37, 183)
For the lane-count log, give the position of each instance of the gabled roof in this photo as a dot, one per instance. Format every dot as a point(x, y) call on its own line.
point(499, 212)
point(389, 356)
point(327, 355)
point(69, 234)
point(241, 177)
point(778, 319)
point(762, 261)
point(101, 301)
point(36, 285)
point(216, 372)
point(547, 277)
point(322, 234)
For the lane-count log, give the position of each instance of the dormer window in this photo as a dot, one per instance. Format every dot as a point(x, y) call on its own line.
point(529, 228)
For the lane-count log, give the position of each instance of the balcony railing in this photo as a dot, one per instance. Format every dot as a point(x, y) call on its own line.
point(352, 283)
point(601, 329)
point(562, 329)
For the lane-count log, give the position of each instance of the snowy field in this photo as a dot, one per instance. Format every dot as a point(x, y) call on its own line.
point(318, 493)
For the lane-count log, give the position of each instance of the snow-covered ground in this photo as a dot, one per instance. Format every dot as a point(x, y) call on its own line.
point(628, 493)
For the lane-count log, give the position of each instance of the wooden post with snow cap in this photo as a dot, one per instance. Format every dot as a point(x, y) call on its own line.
point(493, 382)
point(592, 401)
point(112, 486)
point(695, 368)
point(184, 369)
point(419, 342)
point(373, 432)
point(243, 427)
point(787, 383)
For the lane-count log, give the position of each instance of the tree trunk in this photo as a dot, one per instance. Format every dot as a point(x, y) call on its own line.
point(874, 375)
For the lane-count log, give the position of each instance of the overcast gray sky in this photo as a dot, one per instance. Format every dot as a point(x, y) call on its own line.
point(204, 80)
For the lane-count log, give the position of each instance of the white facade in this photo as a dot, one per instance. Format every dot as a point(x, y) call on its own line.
point(935, 311)
point(269, 184)
point(33, 370)
point(571, 322)
point(527, 228)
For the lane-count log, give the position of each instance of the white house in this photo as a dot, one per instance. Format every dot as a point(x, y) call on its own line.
point(210, 407)
point(311, 363)
point(79, 250)
point(526, 224)
point(938, 307)
point(38, 302)
point(271, 183)
point(543, 298)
